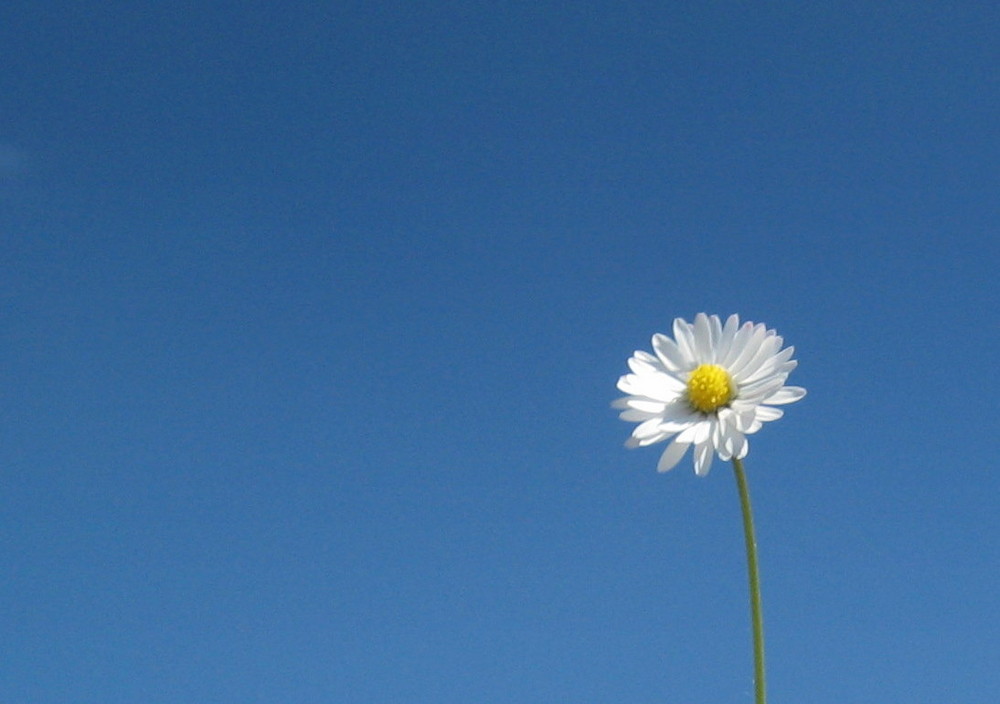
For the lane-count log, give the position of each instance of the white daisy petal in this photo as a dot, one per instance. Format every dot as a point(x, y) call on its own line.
point(697, 432)
point(702, 458)
point(775, 365)
point(681, 412)
point(760, 389)
point(740, 338)
point(788, 394)
point(661, 387)
point(644, 404)
point(710, 386)
point(717, 431)
point(716, 328)
point(783, 370)
point(652, 439)
point(669, 354)
point(766, 413)
point(647, 428)
point(684, 336)
point(749, 368)
point(634, 416)
point(726, 338)
point(672, 455)
point(703, 339)
point(741, 406)
point(732, 444)
point(742, 422)
point(743, 450)
point(740, 446)
point(754, 339)
point(639, 364)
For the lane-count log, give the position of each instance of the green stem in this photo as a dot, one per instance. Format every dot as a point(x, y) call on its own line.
point(756, 613)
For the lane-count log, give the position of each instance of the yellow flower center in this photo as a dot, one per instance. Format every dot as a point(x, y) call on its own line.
point(710, 387)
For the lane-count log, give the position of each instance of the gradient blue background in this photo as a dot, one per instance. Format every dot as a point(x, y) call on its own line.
point(311, 317)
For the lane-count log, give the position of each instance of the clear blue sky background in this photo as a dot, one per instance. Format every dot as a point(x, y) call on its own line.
point(312, 313)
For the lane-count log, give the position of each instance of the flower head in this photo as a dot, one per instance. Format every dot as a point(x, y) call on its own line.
point(710, 386)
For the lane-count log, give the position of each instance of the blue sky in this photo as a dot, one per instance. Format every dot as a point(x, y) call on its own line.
point(312, 315)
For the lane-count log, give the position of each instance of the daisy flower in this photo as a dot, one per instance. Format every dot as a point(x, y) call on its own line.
point(710, 387)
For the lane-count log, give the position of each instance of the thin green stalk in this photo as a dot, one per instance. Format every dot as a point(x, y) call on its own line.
point(756, 613)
